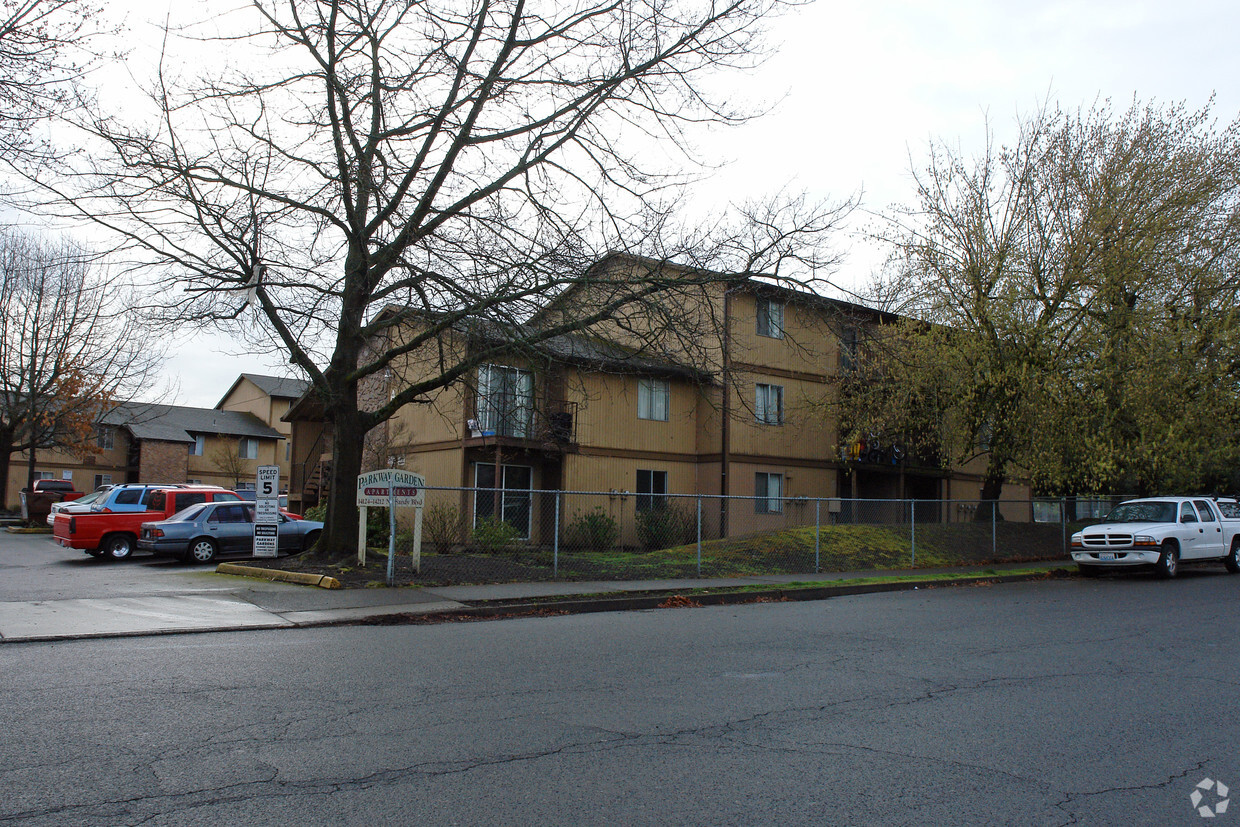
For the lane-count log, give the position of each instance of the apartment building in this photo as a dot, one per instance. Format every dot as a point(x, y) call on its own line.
point(739, 410)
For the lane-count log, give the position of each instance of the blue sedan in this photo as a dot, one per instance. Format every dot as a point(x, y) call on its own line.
point(202, 532)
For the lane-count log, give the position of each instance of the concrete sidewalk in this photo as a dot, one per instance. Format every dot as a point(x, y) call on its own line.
point(255, 604)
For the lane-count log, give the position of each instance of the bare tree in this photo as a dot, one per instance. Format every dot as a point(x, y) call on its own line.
point(44, 49)
point(466, 161)
point(68, 348)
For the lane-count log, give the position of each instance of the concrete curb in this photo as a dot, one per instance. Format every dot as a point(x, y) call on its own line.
point(684, 599)
point(322, 581)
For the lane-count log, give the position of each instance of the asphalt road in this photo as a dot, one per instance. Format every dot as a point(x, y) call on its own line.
point(1061, 702)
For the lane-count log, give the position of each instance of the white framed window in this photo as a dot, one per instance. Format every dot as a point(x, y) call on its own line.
point(650, 490)
point(105, 438)
point(652, 398)
point(66, 475)
point(505, 400)
point(198, 446)
point(769, 404)
point(43, 475)
point(771, 318)
point(103, 479)
point(247, 448)
point(768, 492)
point(510, 500)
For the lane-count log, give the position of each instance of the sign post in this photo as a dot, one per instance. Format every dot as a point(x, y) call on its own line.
point(392, 488)
point(267, 511)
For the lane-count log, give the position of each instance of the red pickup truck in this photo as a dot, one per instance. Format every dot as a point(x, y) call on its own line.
point(115, 534)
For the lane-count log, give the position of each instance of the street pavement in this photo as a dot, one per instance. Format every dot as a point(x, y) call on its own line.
point(48, 593)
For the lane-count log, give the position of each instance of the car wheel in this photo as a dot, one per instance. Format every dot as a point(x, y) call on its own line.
point(1232, 560)
point(1088, 571)
point(117, 546)
point(309, 540)
point(1168, 561)
point(202, 550)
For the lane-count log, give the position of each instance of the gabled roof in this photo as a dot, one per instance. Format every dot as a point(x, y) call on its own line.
point(173, 423)
point(276, 387)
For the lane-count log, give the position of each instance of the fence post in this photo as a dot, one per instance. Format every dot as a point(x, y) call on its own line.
point(555, 545)
point(1063, 522)
point(817, 536)
point(994, 539)
point(699, 535)
point(912, 530)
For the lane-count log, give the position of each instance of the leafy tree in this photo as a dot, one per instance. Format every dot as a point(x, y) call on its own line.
point(68, 349)
point(1074, 304)
point(463, 163)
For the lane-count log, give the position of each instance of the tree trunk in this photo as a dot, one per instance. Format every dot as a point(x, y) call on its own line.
point(339, 540)
point(6, 456)
point(992, 488)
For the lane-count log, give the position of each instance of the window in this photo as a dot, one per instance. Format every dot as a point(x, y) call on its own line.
point(248, 448)
point(105, 438)
point(768, 493)
point(1187, 515)
point(514, 498)
point(43, 475)
point(848, 350)
point(66, 475)
point(130, 496)
point(769, 404)
point(288, 450)
point(1203, 508)
point(652, 396)
point(770, 318)
point(103, 479)
point(505, 400)
point(651, 485)
point(200, 443)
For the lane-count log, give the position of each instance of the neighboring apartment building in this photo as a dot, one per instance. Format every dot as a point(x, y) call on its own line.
point(743, 417)
point(143, 442)
point(268, 398)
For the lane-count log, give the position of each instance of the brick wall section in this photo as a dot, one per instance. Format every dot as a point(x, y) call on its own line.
point(162, 461)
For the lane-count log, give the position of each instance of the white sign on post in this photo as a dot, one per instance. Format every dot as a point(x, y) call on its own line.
point(267, 511)
point(391, 488)
point(380, 487)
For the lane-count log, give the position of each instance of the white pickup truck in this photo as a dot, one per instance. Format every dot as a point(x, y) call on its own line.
point(1162, 532)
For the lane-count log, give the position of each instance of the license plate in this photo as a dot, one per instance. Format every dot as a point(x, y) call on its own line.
point(1107, 555)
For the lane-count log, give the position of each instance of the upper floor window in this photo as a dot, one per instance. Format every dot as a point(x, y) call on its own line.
point(247, 448)
point(771, 318)
point(848, 350)
point(652, 397)
point(769, 404)
point(199, 444)
point(505, 400)
point(105, 438)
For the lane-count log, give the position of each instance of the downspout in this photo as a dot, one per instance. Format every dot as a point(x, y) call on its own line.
point(725, 429)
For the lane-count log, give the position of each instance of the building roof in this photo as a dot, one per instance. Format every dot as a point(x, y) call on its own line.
point(277, 387)
point(174, 423)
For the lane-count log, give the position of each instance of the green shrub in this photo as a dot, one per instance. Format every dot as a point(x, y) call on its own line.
point(318, 513)
point(665, 527)
point(492, 535)
point(595, 530)
point(443, 526)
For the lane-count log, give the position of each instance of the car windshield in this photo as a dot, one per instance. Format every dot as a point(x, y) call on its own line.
point(1149, 511)
point(1230, 508)
point(188, 515)
point(90, 498)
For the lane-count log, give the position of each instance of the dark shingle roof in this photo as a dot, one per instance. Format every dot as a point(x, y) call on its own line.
point(173, 423)
point(278, 386)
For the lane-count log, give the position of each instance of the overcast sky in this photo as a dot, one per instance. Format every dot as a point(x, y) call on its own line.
point(861, 88)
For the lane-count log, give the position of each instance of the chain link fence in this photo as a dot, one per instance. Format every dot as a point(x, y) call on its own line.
point(482, 535)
